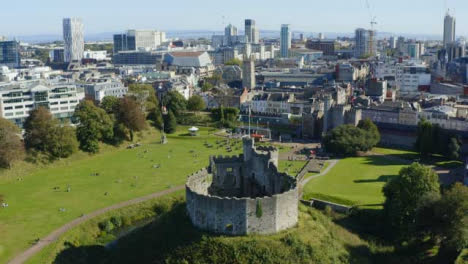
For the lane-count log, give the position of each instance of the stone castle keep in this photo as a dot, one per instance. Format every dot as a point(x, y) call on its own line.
point(243, 194)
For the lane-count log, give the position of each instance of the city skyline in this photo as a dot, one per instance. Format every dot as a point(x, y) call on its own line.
point(110, 16)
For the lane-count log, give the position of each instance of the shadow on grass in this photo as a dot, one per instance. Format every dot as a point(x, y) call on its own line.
point(386, 160)
point(151, 243)
point(383, 178)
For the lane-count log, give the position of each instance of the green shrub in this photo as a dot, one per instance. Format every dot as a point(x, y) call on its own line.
point(258, 210)
point(117, 221)
point(106, 226)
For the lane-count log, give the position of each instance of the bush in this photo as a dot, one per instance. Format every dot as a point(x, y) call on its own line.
point(106, 226)
point(117, 221)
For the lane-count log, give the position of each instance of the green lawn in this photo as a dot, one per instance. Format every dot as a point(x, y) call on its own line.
point(434, 160)
point(34, 205)
point(354, 181)
point(291, 167)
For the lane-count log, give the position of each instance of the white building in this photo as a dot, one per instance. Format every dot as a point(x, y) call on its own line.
point(411, 76)
point(449, 29)
point(285, 42)
point(145, 39)
point(73, 38)
point(97, 89)
point(99, 55)
point(17, 99)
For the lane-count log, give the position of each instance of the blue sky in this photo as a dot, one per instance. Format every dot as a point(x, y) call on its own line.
point(31, 17)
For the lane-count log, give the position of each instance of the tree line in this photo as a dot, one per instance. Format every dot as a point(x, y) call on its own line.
point(113, 121)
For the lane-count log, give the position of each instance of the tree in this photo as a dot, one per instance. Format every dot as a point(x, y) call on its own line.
point(373, 134)
point(234, 61)
point(348, 140)
point(453, 148)
point(11, 146)
point(425, 138)
point(453, 214)
point(145, 95)
point(37, 128)
point(44, 133)
point(157, 118)
point(62, 141)
point(170, 123)
point(207, 87)
point(131, 116)
point(196, 103)
point(110, 104)
point(94, 125)
point(175, 102)
point(403, 195)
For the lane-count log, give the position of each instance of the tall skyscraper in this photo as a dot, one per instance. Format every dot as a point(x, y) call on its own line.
point(449, 29)
point(10, 53)
point(285, 42)
point(73, 38)
point(392, 43)
point(252, 34)
point(120, 43)
point(229, 32)
point(248, 72)
point(366, 43)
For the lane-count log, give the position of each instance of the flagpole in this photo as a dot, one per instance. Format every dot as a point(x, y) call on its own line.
point(249, 119)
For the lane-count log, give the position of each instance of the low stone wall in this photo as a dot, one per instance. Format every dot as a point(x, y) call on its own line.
point(239, 216)
point(320, 204)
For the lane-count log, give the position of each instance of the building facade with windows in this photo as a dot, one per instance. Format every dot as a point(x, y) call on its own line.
point(97, 89)
point(17, 99)
point(10, 54)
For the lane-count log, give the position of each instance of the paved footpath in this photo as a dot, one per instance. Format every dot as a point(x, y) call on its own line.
point(331, 164)
point(21, 258)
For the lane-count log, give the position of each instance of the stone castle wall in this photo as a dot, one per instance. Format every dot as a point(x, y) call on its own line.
point(239, 216)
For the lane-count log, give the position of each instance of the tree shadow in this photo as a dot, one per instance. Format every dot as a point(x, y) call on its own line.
point(369, 223)
point(383, 178)
point(386, 160)
point(151, 243)
point(82, 255)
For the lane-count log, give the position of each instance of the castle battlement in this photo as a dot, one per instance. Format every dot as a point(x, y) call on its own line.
point(243, 194)
point(224, 159)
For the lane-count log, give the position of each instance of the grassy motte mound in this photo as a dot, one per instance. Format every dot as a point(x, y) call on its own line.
point(170, 238)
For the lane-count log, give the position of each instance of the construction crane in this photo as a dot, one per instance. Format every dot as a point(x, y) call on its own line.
point(373, 18)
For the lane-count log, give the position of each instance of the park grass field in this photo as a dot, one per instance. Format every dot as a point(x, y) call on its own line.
point(355, 181)
point(291, 167)
point(38, 198)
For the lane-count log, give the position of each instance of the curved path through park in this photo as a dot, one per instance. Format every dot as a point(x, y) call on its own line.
point(25, 255)
point(331, 164)
point(21, 258)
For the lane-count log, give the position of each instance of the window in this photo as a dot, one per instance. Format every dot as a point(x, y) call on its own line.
point(8, 108)
point(18, 107)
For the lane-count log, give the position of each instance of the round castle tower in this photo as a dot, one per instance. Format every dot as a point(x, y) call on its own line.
point(243, 194)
